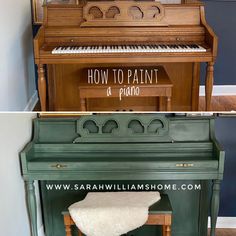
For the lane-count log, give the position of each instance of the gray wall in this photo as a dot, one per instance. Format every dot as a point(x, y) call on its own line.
point(16, 57)
point(221, 16)
point(15, 132)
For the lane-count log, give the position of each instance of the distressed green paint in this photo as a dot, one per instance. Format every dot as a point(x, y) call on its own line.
point(31, 202)
point(127, 147)
point(215, 200)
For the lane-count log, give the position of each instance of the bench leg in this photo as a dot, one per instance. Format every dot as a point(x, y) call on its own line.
point(83, 104)
point(161, 107)
point(166, 230)
point(163, 230)
point(68, 230)
point(168, 103)
point(67, 223)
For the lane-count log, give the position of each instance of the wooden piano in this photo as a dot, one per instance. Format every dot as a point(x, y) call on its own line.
point(83, 34)
point(153, 148)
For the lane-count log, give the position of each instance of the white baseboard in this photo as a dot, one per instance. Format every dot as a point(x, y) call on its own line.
point(224, 222)
point(41, 231)
point(32, 102)
point(220, 90)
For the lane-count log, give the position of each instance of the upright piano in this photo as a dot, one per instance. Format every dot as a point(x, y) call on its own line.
point(80, 34)
point(151, 148)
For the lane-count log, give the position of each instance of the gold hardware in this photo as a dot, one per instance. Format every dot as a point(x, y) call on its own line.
point(178, 39)
point(184, 165)
point(72, 40)
point(58, 166)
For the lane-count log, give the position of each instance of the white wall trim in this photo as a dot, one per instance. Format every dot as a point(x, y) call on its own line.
point(224, 222)
point(32, 102)
point(41, 231)
point(220, 90)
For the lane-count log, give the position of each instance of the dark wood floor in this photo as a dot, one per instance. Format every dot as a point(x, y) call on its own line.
point(221, 103)
point(226, 232)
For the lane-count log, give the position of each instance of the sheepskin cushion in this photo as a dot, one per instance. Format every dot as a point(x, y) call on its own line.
point(112, 213)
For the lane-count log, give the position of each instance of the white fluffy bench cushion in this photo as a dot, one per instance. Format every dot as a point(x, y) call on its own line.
point(112, 213)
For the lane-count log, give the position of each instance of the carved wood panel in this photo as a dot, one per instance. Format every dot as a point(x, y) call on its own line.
point(123, 13)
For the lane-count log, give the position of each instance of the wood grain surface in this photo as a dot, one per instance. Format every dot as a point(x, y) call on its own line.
point(225, 232)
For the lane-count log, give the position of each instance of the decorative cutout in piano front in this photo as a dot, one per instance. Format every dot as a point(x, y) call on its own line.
point(93, 128)
point(154, 126)
point(111, 128)
point(123, 13)
point(112, 12)
point(136, 126)
point(96, 12)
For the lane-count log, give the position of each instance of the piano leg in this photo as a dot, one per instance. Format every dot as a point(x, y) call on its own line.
point(42, 87)
point(209, 84)
point(195, 86)
point(215, 200)
point(32, 209)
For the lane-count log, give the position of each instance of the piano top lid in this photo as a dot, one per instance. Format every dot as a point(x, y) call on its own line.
point(127, 13)
point(123, 128)
point(76, 3)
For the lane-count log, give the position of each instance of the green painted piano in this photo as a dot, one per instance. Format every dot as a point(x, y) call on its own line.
point(126, 149)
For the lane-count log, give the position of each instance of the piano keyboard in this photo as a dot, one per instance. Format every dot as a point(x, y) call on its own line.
point(129, 49)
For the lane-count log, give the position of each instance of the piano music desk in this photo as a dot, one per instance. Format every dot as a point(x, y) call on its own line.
point(162, 89)
point(160, 213)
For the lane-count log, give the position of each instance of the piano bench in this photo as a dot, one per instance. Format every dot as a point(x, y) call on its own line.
point(159, 213)
point(161, 89)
